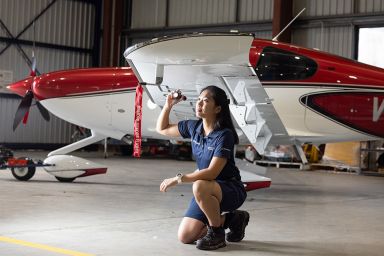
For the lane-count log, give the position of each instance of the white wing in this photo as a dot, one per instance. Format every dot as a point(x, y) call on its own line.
point(190, 63)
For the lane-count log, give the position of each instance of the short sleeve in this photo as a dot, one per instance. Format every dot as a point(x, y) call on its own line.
point(225, 145)
point(186, 128)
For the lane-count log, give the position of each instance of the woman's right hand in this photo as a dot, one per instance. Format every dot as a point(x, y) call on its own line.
point(163, 126)
point(168, 183)
point(171, 100)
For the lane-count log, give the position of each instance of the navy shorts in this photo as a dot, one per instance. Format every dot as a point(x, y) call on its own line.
point(234, 195)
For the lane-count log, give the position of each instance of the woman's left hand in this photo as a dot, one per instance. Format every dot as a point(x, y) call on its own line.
point(168, 183)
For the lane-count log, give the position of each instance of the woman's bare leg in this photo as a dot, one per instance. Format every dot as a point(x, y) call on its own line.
point(208, 196)
point(191, 230)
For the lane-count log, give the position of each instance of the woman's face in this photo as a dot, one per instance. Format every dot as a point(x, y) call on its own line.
point(205, 106)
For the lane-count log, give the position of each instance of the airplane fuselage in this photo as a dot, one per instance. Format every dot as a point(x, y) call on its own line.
point(319, 97)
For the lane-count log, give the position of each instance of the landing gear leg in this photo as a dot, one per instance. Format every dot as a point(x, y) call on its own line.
point(301, 154)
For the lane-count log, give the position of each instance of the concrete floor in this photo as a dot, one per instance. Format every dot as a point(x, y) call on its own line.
point(123, 213)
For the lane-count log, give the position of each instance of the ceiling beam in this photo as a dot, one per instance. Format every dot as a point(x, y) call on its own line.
point(282, 15)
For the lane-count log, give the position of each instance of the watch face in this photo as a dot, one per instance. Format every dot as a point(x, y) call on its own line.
point(179, 176)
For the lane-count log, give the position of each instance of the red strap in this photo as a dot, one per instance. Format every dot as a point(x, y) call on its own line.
point(137, 122)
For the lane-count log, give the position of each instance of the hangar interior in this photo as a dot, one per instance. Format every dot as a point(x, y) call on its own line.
point(69, 34)
point(79, 34)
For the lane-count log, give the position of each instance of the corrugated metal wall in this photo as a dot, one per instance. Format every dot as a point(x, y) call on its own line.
point(37, 130)
point(334, 38)
point(47, 60)
point(337, 40)
point(325, 36)
point(263, 34)
point(145, 17)
point(339, 7)
point(198, 12)
point(370, 6)
point(255, 10)
point(323, 7)
point(66, 23)
point(203, 12)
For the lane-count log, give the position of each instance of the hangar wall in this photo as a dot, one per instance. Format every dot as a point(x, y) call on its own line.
point(198, 12)
point(64, 38)
point(339, 7)
point(63, 34)
point(36, 131)
point(335, 39)
point(327, 25)
point(331, 25)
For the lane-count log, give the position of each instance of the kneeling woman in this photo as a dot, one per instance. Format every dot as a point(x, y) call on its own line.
point(217, 185)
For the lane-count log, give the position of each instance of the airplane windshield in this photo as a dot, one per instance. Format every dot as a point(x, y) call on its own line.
point(276, 65)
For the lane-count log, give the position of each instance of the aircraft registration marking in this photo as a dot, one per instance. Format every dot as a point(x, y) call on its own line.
point(377, 111)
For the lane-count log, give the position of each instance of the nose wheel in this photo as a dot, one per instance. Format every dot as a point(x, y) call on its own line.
point(24, 173)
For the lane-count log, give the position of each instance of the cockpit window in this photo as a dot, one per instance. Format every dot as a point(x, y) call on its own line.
point(276, 65)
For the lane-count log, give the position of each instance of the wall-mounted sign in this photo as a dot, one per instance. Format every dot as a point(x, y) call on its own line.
point(6, 78)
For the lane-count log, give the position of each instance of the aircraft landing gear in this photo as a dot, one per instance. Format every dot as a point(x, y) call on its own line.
point(65, 180)
point(26, 172)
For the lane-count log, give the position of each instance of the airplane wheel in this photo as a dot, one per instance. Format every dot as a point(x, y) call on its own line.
point(24, 173)
point(66, 180)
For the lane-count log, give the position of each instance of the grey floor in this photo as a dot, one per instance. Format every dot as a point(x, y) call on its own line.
point(123, 213)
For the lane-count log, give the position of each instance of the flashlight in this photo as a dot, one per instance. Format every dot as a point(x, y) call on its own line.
point(177, 95)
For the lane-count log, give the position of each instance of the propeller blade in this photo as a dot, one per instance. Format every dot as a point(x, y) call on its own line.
point(23, 109)
point(43, 111)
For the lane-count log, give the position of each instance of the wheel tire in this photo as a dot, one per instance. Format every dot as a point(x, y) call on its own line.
point(24, 173)
point(65, 180)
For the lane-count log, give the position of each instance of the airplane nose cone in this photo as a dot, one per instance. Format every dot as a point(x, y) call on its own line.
point(21, 87)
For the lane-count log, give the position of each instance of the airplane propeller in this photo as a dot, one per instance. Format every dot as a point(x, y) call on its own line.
point(23, 109)
point(22, 112)
point(43, 111)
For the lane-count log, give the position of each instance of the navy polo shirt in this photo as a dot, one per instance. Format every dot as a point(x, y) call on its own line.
point(219, 143)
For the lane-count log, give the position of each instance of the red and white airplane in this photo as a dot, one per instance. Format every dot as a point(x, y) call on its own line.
point(279, 94)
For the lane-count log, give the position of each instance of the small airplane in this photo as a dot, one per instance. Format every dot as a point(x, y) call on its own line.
point(280, 94)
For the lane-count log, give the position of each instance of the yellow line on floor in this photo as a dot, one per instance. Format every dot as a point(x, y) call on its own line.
point(42, 247)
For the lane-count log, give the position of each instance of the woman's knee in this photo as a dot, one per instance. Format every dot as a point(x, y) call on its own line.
point(200, 187)
point(185, 238)
point(190, 230)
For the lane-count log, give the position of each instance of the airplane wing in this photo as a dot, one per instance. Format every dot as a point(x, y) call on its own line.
point(192, 62)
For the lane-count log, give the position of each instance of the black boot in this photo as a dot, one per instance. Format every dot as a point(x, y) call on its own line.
point(237, 221)
point(214, 239)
